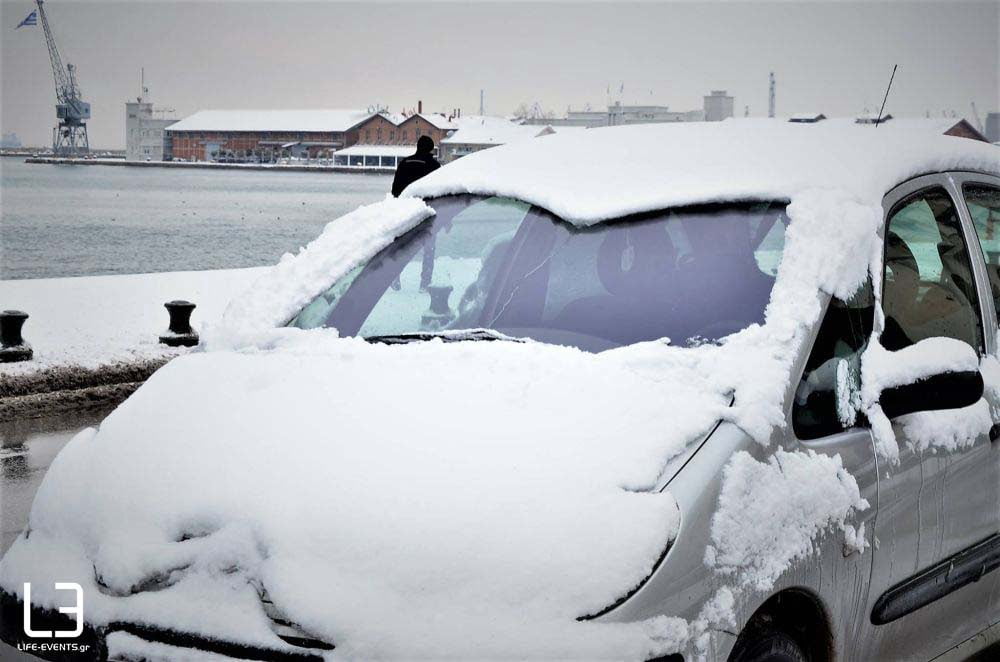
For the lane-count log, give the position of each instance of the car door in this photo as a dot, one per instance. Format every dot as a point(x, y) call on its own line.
point(981, 194)
point(938, 504)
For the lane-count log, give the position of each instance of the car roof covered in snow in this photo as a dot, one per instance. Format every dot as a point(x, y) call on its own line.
point(590, 176)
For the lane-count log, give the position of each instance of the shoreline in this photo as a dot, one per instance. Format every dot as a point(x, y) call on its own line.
point(208, 165)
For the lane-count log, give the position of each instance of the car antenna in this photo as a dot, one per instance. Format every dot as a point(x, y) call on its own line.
point(889, 87)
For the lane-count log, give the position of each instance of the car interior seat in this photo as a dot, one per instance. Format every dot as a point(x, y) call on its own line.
point(635, 267)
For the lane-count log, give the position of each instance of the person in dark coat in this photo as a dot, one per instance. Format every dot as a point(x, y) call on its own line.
point(415, 166)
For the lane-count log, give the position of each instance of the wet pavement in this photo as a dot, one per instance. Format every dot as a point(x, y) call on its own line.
point(27, 448)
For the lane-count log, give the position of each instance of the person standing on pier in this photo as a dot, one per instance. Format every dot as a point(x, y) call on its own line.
point(415, 166)
point(408, 171)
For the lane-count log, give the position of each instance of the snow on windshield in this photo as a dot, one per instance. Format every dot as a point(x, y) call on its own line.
point(344, 244)
point(691, 274)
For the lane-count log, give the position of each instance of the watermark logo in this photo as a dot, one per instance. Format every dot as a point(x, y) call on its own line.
point(77, 612)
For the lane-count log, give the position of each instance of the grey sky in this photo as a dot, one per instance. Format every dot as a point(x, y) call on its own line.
point(832, 57)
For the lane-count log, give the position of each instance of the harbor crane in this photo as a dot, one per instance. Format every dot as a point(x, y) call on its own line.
point(69, 138)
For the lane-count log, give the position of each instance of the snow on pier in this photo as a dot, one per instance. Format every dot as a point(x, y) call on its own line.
point(96, 321)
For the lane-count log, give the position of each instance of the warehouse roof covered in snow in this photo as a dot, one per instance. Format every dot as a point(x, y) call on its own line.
point(271, 120)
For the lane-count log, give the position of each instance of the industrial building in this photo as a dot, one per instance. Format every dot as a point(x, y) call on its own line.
point(395, 129)
point(269, 135)
point(717, 106)
point(146, 138)
point(379, 129)
point(263, 135)
point(619, 115)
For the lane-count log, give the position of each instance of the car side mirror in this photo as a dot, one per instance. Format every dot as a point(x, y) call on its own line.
point(933, 374)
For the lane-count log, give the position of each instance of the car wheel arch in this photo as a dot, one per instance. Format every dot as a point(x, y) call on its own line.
point(797, 612)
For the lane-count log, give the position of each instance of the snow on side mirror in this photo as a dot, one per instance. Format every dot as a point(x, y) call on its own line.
point(933, 374)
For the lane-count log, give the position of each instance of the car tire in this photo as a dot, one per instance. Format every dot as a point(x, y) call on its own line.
point(768, 646)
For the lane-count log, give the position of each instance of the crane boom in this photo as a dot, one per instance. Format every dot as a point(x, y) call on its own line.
point(69, 138)
point(63, 85)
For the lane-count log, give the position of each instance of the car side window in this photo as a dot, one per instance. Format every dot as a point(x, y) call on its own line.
point(823, 403)
point(984, 207)
point(928, 289)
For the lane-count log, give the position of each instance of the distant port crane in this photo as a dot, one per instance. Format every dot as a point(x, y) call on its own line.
point(69, 138)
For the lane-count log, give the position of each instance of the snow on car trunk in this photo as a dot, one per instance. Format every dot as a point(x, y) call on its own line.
point(432, 499)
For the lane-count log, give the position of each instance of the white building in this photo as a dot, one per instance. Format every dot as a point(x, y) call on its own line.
point(372, 157)
point(718, 106)
point(145, 138)
point(619, 115)
point(479, 132)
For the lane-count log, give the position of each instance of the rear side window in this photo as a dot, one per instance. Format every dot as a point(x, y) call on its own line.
point(984, 207)
point(928, 290)
point(824, 400)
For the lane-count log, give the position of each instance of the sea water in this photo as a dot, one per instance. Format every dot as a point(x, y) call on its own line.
point(76, 220)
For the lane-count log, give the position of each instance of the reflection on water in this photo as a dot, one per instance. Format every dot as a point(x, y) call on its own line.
point(27, 448)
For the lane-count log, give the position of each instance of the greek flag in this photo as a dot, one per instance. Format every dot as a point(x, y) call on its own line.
point(32, 19)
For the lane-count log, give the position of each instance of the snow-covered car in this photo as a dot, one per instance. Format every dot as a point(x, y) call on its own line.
point(715, 391)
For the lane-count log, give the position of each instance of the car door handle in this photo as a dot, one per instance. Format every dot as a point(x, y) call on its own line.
point(995, 432)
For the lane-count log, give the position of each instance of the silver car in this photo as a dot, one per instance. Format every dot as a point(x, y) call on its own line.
point(517, 250)
point(926, 588)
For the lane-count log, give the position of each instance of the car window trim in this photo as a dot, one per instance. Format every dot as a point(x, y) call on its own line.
point(958, 180)
point(976, 262)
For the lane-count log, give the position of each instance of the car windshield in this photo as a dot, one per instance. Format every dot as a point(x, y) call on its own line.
point(691, 274)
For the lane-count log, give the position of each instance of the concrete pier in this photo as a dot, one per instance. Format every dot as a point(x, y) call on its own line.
point(208, 165)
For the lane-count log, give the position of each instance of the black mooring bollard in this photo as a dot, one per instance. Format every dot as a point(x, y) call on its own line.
point(180, 333)
point(439, 298)
point(12, 345)
point(440, 313)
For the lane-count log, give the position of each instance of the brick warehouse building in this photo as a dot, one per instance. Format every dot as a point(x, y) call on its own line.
point(379, 129)
point(212, 135)
point(390, 129)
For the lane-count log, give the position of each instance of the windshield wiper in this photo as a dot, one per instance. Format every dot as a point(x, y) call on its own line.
point(445, 336)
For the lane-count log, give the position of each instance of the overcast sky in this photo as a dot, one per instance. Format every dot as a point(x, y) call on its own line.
point(832, 57)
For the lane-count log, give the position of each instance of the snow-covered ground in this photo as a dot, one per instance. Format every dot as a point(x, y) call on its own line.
point(98, 320)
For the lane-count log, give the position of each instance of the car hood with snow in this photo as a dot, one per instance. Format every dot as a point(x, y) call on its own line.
point(420, 499)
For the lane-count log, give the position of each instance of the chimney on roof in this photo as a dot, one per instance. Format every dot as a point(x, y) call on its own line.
point(420, 106)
